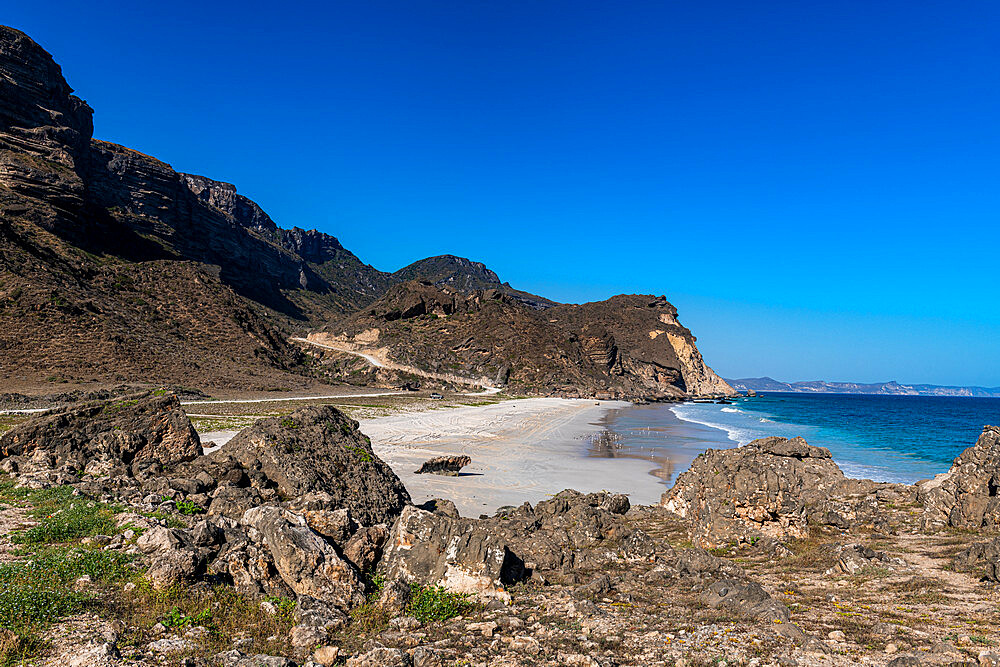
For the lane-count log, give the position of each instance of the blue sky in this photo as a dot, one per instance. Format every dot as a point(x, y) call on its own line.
point(813, 184)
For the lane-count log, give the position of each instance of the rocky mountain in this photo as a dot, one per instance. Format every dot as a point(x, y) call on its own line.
point(465, 276)
point(117, 268)
point(626, 346)
point(892, 388)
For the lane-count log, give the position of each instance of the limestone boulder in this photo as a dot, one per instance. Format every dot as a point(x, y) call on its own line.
point(772, 487)
point(306, 562)
point(462, 555)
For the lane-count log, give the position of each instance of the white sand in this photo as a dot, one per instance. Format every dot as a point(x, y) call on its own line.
point(521, 450)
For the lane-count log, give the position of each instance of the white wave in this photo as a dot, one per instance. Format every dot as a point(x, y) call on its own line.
point(739, 435)
point(732, 410)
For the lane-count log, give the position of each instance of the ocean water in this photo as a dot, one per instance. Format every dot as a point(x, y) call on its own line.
point(885, 438)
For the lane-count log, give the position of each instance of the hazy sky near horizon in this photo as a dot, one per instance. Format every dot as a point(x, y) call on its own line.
point(815, 185)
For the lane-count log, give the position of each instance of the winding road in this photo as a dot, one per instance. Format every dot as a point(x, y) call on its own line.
point(488, 390)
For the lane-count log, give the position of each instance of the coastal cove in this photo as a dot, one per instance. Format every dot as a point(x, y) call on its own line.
point(526, 450)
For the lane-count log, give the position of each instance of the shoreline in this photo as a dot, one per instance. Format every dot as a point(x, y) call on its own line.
point(522, 450)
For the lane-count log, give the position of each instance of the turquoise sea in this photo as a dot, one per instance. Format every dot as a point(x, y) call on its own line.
point(885, 438)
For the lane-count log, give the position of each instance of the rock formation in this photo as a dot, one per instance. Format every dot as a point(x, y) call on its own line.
point(315, 455)
point(968, 495)
point(772, 487)
point(135, 431)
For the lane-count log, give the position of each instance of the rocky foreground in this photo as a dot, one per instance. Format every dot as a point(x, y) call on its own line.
point(124, 543)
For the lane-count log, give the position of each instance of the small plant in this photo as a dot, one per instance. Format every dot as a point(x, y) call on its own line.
point(284, 606)
point(360, 453)
point(188, 507)
point(113, 408)
point(36, 591)
point(62, 517)
point(434, 603)
point(176, 619)
point(288, 422)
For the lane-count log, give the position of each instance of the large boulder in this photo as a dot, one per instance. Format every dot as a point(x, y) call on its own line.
point(135, 431)
point(314, 451)
point(308, 564)
point(567, 538)
point(968, 495)
point(773, 487)
point(462, 555)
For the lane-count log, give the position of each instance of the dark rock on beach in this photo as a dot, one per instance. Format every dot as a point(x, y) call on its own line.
point(444, 465)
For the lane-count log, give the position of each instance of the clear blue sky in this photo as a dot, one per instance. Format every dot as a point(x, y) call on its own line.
point(813, 184)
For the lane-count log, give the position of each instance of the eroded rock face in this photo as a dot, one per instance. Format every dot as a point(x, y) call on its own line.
point(572, 531)
point(968, 495)
point(565, 538)
point(314, 450)
point(135, 431)
point(772, 487)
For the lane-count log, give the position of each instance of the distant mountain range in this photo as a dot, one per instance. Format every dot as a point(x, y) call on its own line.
point(892, 388)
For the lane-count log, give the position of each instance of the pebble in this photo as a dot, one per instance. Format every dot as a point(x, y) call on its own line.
point(891, 648)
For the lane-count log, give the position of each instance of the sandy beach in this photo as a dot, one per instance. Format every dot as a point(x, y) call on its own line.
point(521, 450)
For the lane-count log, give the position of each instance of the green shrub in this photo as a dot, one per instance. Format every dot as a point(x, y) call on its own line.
point(188, 507)
point(177, 619)
point(360, 453)
point(434, 603)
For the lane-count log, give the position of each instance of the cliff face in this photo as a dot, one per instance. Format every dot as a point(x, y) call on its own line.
point(627, 346)
point(112, 269)
point(116, 267)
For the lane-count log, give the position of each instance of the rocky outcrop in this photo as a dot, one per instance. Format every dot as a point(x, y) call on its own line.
point(444, 465)
point(314, 454)
point(559, 539)
point(136, 431)
point(572, 531)
point(968, 495)
point(772, 487)
point(856, 559)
